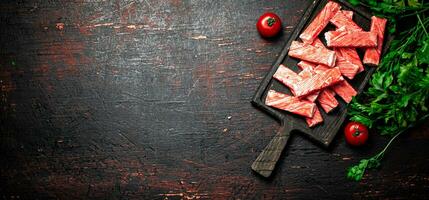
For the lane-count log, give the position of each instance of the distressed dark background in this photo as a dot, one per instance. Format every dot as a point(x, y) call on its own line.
point(149, 99)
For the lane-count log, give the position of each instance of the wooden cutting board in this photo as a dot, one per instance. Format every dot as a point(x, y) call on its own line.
point(324, 133)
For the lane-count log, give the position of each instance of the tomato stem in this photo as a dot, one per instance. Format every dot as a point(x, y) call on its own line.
point(271, 21)
point(357, 132)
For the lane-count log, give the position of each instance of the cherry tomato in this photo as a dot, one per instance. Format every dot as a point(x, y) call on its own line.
point(269, 25)
point(356, 133)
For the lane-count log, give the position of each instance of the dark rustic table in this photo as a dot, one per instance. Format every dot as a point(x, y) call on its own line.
point(150, 99)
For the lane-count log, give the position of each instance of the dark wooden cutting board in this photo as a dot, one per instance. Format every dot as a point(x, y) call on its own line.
point(290, 123)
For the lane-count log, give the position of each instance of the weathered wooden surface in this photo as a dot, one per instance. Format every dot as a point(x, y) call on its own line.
point(150, 100)
point(267, 160)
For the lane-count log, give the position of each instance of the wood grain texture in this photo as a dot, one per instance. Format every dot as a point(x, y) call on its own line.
point(150, 100)
point(268, 158)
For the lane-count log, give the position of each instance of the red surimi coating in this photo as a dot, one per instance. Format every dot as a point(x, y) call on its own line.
point(312, 97)
point(345, 22)
point(316, 119)
point(318, 81)
point(313, 54)
point(345, 91)
point(290, 103)
point(306, 65)
point(326, 97)
point(343, 88)
point(287, 77)
point(351, 39)
point(341, 20)
point(327, 100)
point(372, 55)
point(351, 55)
point(347, 68)
point(348, 13)
point(321, 68)
point(318, 43)
point(319, 22)
point(307, 73)
point(290, 79)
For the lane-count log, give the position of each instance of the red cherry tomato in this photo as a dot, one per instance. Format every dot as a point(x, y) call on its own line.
point(356, 133)
point(269, 25)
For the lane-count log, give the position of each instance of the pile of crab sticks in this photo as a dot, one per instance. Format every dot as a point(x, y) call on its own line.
point(325, 70)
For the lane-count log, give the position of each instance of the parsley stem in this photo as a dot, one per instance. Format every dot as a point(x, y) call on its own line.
point(423, 26)
point(411, 14)
point(388, 144)
point(394, 137)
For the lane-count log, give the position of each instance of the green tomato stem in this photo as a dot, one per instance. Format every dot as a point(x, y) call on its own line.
point(271, 21)
point(357, 132)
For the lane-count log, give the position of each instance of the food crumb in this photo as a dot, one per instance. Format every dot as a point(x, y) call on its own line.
point(60, 26)
point(199, 37)
point(132, 26)
point(225, 130)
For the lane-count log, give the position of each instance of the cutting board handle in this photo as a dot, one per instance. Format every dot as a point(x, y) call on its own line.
point(267, 159)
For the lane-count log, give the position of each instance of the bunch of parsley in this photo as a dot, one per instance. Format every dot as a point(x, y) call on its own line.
point(397, 97)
